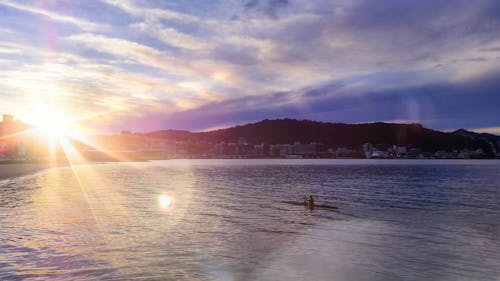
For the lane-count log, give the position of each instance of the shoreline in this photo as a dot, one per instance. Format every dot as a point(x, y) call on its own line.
point(14, 170)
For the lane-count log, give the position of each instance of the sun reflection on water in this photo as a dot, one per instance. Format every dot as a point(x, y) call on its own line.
point(107, 206)
point(165, 201)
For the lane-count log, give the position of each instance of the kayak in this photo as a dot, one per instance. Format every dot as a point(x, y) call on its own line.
point(316, 206)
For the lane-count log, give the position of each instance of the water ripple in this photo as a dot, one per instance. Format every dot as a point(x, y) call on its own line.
point(396, 221)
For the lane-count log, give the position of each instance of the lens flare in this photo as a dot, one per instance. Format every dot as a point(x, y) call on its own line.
point(165, 201)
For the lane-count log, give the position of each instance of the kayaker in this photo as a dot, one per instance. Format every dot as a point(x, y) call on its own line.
point(310, 202)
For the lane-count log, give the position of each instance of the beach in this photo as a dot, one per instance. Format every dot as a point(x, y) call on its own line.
point(12, 170)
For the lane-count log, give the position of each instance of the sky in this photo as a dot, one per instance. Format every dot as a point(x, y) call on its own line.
point(205, 64)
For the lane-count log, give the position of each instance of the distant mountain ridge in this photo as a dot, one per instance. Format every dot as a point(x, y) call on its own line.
point(486, 136)
point(334, 135)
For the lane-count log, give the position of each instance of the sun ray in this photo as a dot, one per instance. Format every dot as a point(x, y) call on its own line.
point(51, 125)
point(70, 152)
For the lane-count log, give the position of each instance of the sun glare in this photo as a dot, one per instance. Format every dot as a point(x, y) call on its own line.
point(50, 121)
point(53, 126)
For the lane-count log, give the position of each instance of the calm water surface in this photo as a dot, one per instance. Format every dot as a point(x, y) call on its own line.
point(225, 220)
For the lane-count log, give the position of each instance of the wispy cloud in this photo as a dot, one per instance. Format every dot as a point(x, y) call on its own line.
point(81, 23)
point(93, 85)
point(131, 50)
point(152, 14)
point(171, 36)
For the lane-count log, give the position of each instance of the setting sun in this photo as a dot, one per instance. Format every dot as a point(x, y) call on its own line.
point(50, 121)
point(53, 126)
point(51, 131)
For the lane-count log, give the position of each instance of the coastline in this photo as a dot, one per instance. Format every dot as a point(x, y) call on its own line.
point(14, 170)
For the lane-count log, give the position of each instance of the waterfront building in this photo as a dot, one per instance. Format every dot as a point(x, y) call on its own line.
point(304, 149)
point(379, 154)
point(367, 149)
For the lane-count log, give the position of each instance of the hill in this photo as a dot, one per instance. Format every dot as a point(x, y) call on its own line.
point(334, 135)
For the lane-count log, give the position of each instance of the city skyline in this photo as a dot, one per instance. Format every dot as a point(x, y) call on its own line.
point(145, 65)
point(280, 138)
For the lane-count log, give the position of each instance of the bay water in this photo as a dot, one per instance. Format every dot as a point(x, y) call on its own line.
point(227, 220)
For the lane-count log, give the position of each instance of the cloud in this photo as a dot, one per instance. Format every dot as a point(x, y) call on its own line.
point(152, 24)
point(152, 14)
point(84, 85)
point(81, 23)
point(356, 36)
point(6, 30)
point(133, 51)
point(356, 60)
point(268, 7)
point(171, 36)
point(441, 106)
